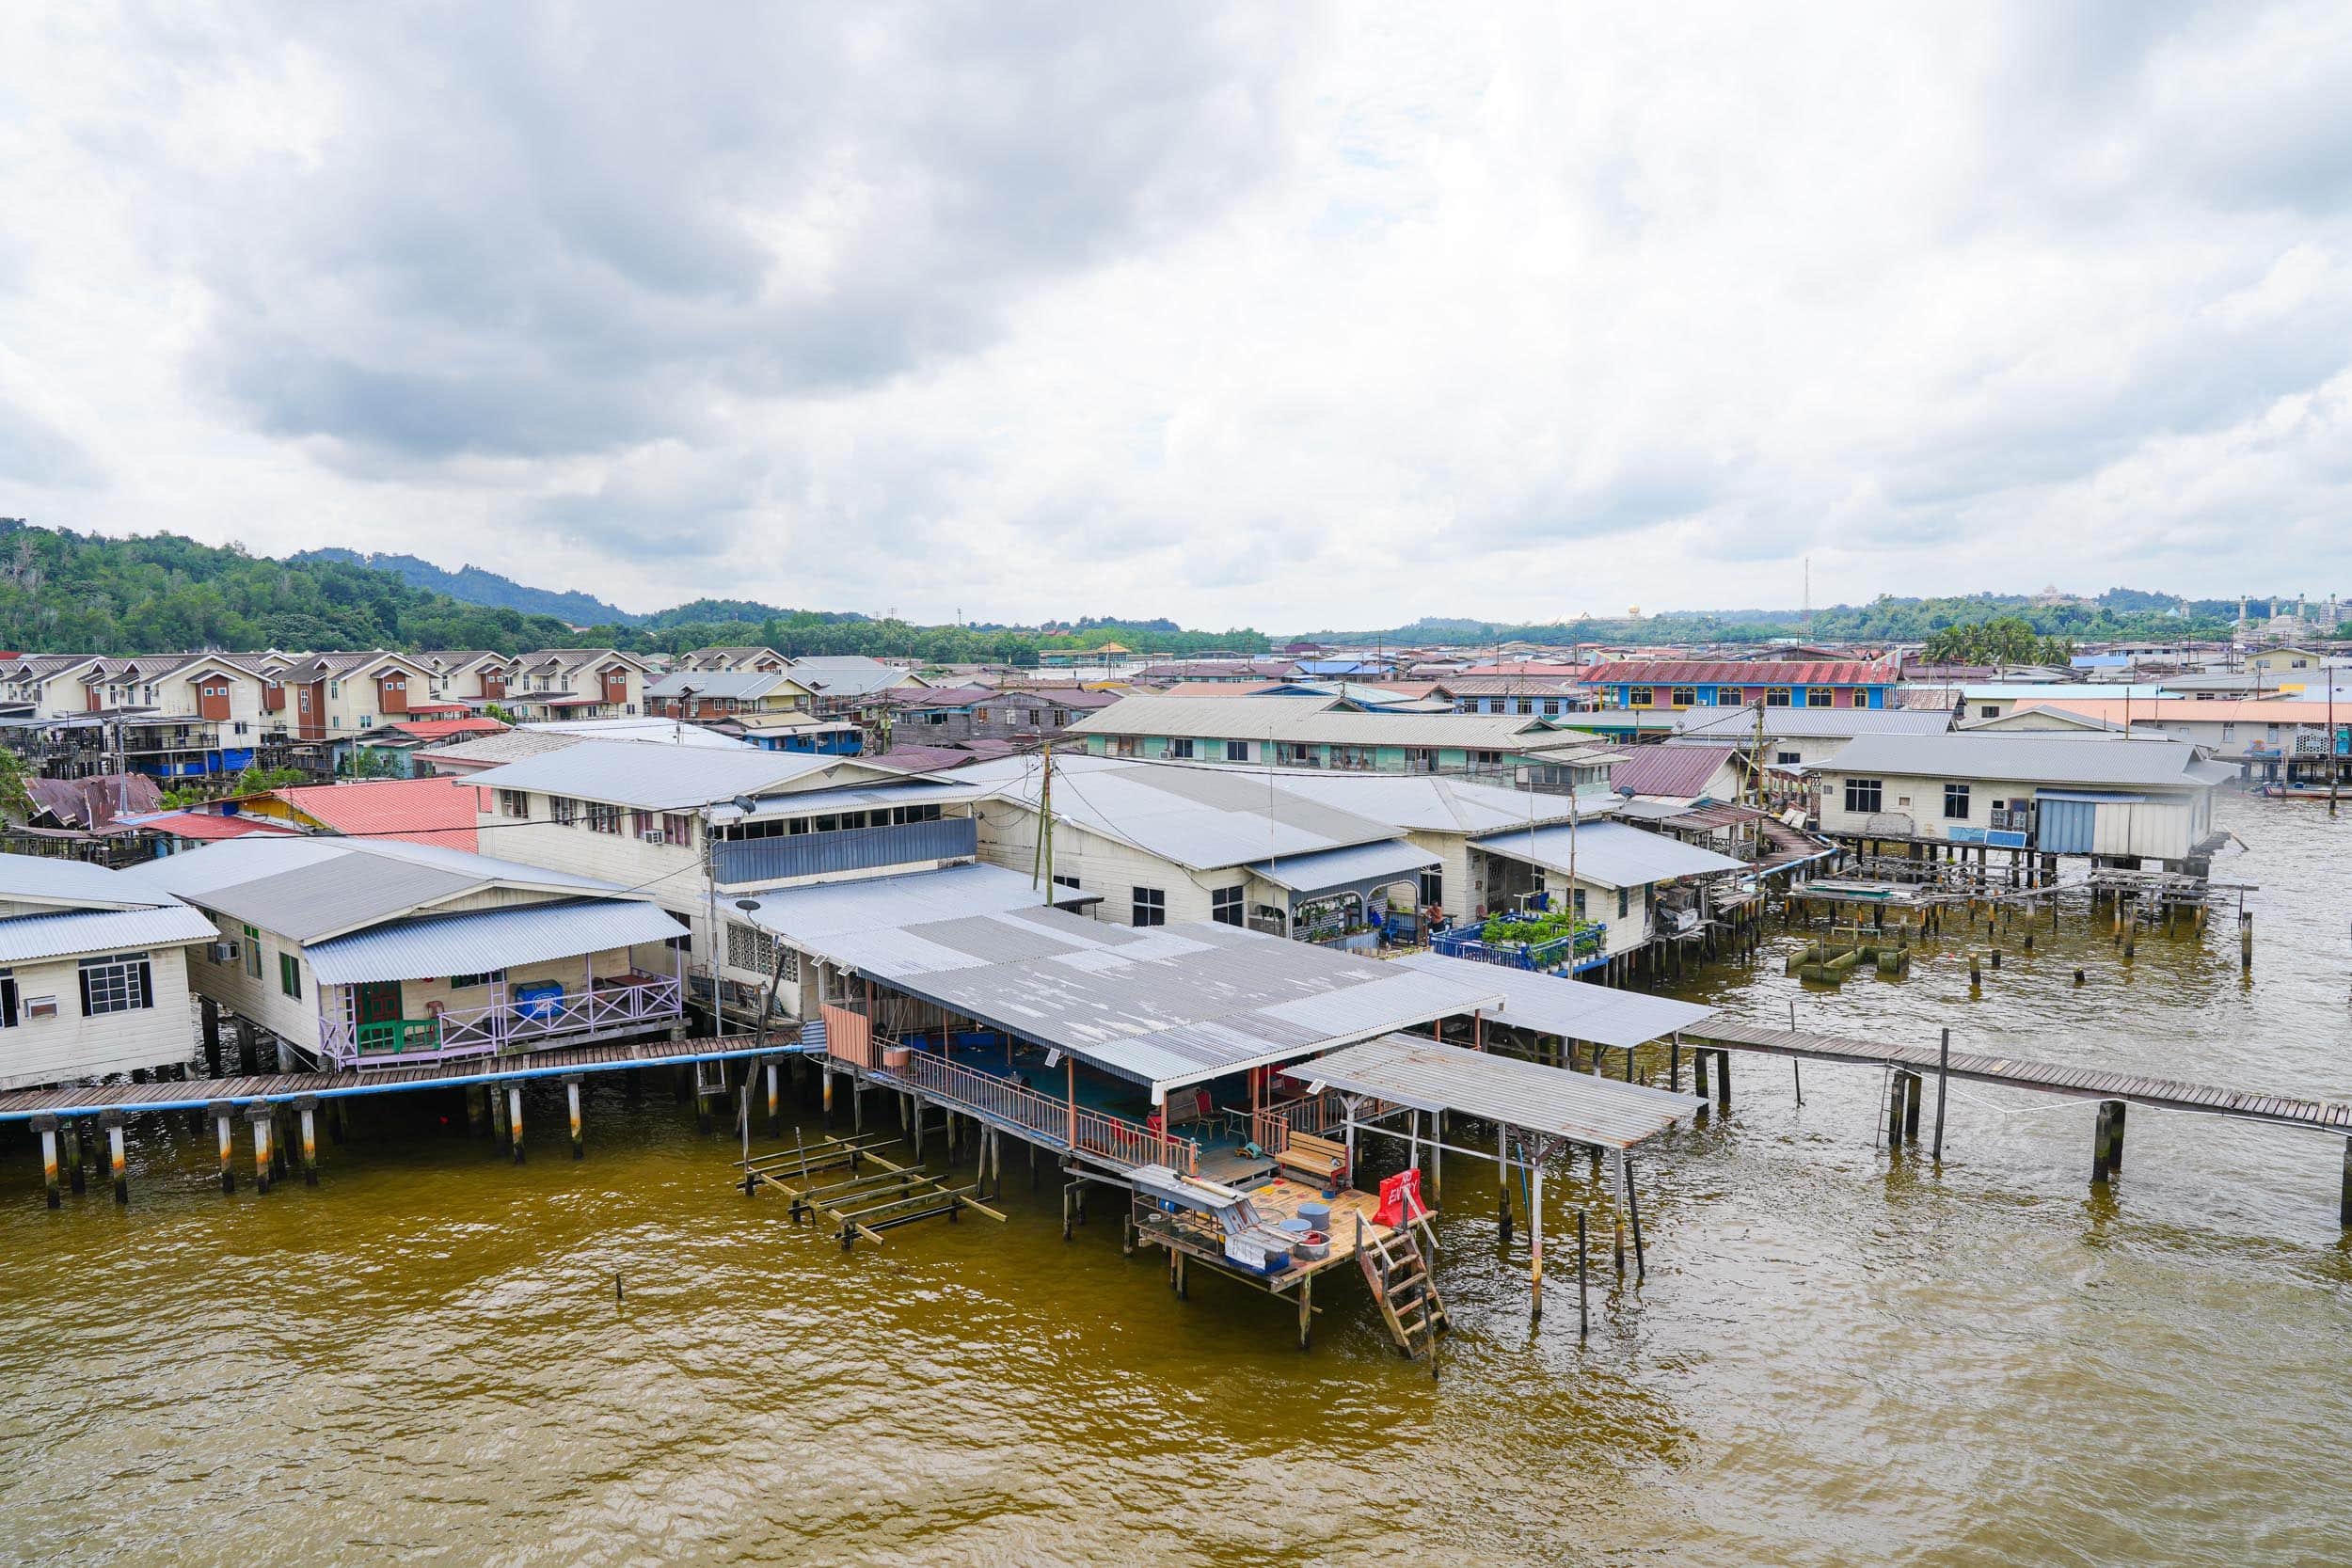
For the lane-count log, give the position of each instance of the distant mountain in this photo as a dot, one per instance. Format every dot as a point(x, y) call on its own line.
point(472, 585)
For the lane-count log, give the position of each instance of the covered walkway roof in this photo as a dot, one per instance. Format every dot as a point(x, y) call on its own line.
point(477, 941)
point(1358, 868)
point(1608, 854)
point(1555, 1005)
point(1161, 1006)
point(1549, 1101)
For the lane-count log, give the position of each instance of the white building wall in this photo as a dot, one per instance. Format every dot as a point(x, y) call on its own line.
point(1104, 866)
point(48, 1050)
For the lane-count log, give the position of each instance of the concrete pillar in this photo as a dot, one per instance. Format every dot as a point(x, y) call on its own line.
point(117, 1164)
point(72, 1127)
point(307, 1109)
point(46, 1126)
point(514, 1118)
point(224, 1130)
point(262, 1119)
point(571, 1098)
point(775, 1114)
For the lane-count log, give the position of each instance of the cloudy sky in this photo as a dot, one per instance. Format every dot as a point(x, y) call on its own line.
point(1283, 315)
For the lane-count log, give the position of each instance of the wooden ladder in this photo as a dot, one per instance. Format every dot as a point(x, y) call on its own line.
point(711, 1081)
point(1397, 1270)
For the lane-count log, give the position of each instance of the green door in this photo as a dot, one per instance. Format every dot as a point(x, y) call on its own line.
point(375, 1009)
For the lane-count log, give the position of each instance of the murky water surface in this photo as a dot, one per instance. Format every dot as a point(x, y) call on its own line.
point(1835, 1358)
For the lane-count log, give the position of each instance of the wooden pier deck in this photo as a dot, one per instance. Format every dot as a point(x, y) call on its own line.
point(195, 1094)
point(2317, 1115)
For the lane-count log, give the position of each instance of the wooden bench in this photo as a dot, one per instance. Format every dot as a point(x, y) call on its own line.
point(1311, 1156)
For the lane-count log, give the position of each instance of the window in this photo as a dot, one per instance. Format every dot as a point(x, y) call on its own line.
point(563, 809)
point(1070, 882)
point(120, 984)
point(1955, 802)
point(1625, 903)
point(1225, 905)
point(514, 803)
point(603, 817)
point(1684, 696)
point(1988, 711)
point(334, 689)
point(1150, 906)
point(469, 982)
point(1432, 889)
point(1789, 759)
point(290, 975)
point(1524, 705)
point(7, 1000)
point(1355, 757)
point(1290, 753)
point(1858, 698)
point(1863, 795)
point(1487, 759)
point(1237, 751)
point(677, 828)
point(252, 953)
point(1639, 696)
point(748, 947)
point(1057, 718)
point(1727, 696)
point(1821, 696)
point(1776, 696)
point(1180, 747)
point(644, 824)
point(1551, 708)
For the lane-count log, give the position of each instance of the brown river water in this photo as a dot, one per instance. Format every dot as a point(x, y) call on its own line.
point(1835, 1358)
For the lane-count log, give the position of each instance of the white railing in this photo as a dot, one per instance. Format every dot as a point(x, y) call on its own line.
point(507, 1024)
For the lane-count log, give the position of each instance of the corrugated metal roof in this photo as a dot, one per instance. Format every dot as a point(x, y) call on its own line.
point(1680, 771)
point(2027, 759)
point(308, 887)
point(50, 936)
point(1428, 802)
point(738, 685)
point(653, 777)
point(1161, 1006)
point(855, 797)
point(808, 917)
point(1555, 1005)
point(645, 731)
point(49, 880)
point(1333, 869)
point(1307, 720)
point(1202, 818)
point(414, 811)
point(1799, 723)
point(481, 940)
point(1609, 854)
point(1428, 1075)
point(1702, 672)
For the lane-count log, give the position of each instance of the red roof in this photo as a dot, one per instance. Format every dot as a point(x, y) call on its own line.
point(443, 729)
point(438, 707)
point(1677, 772)
point(1707, 672)
point(419, 811)
point(206, 825)
point(1532, 667)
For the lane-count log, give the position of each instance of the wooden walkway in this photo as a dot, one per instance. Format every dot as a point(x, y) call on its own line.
point(283, 1087)
point(2317, 1115)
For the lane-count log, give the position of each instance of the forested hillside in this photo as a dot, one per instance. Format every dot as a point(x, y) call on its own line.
point(474, 586)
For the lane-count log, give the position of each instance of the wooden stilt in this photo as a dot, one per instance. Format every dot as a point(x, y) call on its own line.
point(2102, 1134)
point(72, 1127)
point(1306, 1313)
point(1723, 1079)
point(2115, 1136)
point(1698, 1072)
point(1584, 1288)
point(1536, 1244)
point(1943, 1079)
point(1502, 1187)
point(1911, 1107)
point(210, 1010)
point(1634, 1213)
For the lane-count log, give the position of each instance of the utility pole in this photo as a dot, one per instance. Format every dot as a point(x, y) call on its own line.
point(1041, 864)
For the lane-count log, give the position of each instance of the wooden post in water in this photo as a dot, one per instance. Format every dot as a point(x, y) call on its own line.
point(515, 1116)
point(2117, 1111)
point(71, 1126)
point(247, 1064)
point(1584, 1293)
point(2343, 1196)
point(1911, 1107)
point(263, 1119)
point(1306, 1313)
point(1502, 1187)
point(225, 1135)
point(1633, 1211)
point(573, 1082)
point(1535, 1239)
point(1943, 1077)
point(1894, 1110)
point(211, 1013)
point(2102, 1134)
point(46, 1126)
point(1674, 1063)
point(1723, 1080)
point(1698, 1073)
point(2246, 940)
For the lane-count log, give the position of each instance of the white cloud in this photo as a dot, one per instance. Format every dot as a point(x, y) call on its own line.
point(1274, 316)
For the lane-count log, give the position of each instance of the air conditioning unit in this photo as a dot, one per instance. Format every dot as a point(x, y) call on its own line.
point(654, 835)
point(224, 952)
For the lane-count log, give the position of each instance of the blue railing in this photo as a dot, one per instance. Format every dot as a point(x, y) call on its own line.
point(775, 859)
point(1588, 943)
